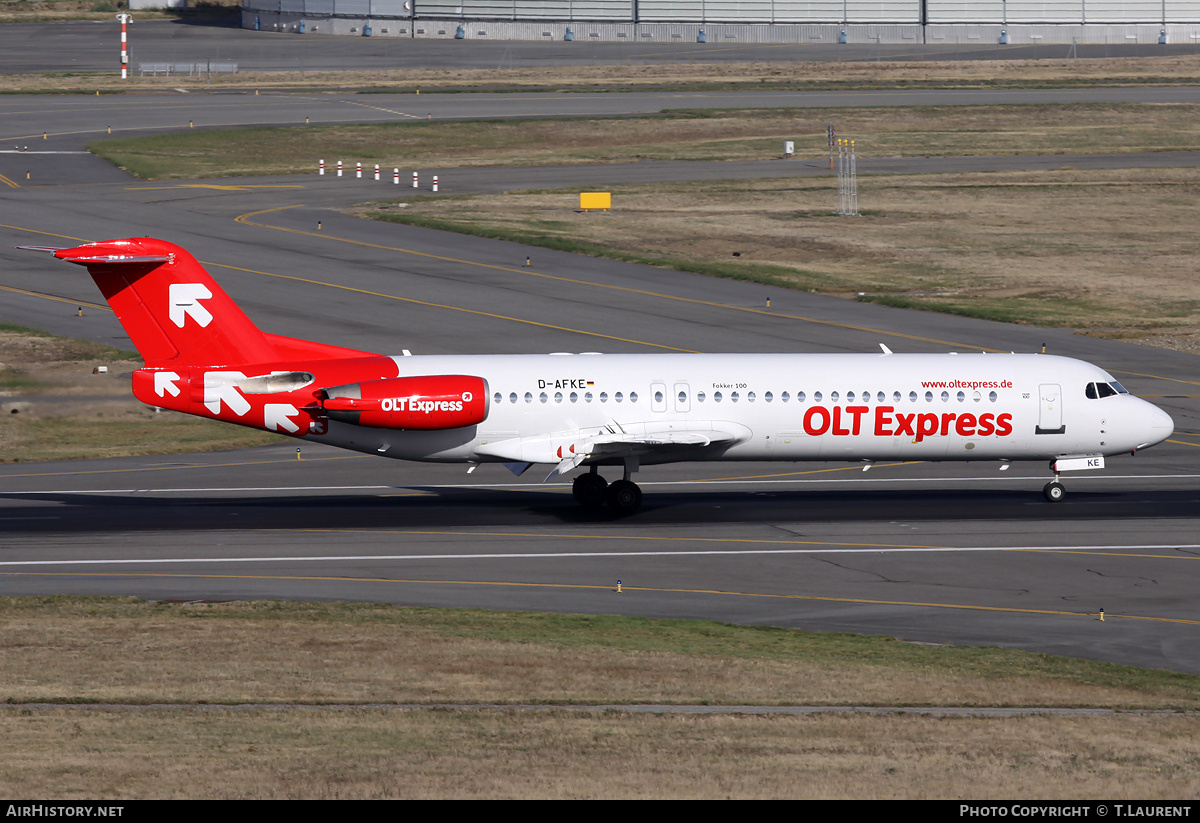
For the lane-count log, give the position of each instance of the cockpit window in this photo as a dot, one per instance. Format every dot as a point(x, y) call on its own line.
point(1098, 390)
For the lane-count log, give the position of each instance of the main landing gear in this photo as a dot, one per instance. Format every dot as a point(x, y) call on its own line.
point(594, 492)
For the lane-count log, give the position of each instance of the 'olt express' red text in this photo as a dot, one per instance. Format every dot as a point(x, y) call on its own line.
point(889, 423)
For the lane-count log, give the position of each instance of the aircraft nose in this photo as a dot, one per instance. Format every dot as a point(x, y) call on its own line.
point(1156, 426)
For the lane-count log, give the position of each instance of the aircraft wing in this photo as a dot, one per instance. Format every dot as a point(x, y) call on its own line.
point(576, 448)
point(624, 445)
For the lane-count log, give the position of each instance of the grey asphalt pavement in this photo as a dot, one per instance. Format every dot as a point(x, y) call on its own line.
point(927, 552)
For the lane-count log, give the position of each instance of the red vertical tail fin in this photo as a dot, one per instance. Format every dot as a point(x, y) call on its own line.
point(171, 307)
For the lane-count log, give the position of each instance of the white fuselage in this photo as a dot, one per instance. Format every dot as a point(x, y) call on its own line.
point(778, 407)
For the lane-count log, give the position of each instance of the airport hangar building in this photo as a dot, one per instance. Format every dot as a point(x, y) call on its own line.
point(811, 22)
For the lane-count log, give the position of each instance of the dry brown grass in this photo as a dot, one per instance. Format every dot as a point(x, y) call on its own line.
point(125, 650)
point(148, 658)
point(764, 75)
point(1110, 252)
point(367, 753)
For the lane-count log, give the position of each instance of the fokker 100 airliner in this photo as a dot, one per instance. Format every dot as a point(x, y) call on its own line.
point(204, 356)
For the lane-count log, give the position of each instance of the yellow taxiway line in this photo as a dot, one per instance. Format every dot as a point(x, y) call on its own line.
point(625, 588)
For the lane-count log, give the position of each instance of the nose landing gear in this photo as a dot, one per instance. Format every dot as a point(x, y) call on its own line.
point(1055, 491)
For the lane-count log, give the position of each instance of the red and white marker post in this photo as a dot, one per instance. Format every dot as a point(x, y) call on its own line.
point(435, 182)
point(377, 171)
point(321, 168)
point(414, 179)
point(124, 18)
point(396, 176)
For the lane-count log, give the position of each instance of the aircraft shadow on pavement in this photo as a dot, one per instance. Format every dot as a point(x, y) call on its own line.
point(416, 507)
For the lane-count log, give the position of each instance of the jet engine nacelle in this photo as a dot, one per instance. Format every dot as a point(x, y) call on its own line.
point(424, 403)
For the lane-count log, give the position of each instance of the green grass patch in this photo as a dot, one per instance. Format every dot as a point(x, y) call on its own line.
point(19, 380)
point(121, 432)
point(110, 423)
point(57, 347)
point(1033, 309)
point(711, 134)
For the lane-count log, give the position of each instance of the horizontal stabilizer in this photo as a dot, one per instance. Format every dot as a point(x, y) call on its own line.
point(110, 259)
point(83, 258)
